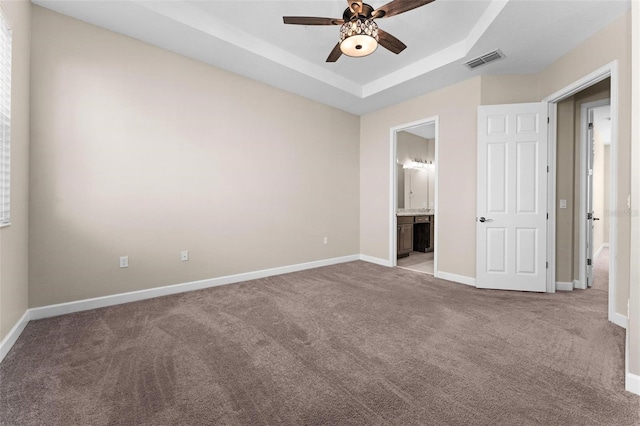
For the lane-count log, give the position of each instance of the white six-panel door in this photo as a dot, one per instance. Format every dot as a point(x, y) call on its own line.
point(511, 236)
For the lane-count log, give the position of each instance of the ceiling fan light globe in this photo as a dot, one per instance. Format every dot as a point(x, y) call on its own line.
point(358, 45)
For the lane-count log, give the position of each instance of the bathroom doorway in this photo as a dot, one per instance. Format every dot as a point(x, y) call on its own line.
point(415, 200)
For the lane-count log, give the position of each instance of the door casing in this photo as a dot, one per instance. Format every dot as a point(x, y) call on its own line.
point(582, 261)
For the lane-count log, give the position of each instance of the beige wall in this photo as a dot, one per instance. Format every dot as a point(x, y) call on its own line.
point(565, 188)
point(410, 147)
point(14, 238)
point(509, 89)
point(612, 43)
point(139, 151)
point(456, 107)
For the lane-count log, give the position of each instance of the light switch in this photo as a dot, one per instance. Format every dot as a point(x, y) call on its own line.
point(563, 204)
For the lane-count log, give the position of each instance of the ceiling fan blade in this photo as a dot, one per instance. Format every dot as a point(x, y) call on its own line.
point(335, 54)
point(309, 20)
point(397, 7)
point(389, 42)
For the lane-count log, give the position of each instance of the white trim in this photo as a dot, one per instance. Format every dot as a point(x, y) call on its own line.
point(583, 83)
point(436, 202)
point(133, 296)
point(393, 186)
point(608, 70)
point(551, 197)
point(632, 381)
point(582, 245)
point(563, 286)
point(461, 279)
point(376, 260)
point(633, 304)
point(599, 251)
point(619, 320)
point(11, 338)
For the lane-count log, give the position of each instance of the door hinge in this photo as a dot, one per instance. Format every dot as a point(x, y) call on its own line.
point(590, 125)
point(547, 265)
point(589, 215)
point(588, 262)
point(548, 120)
point(547, 169)
point(547, 216)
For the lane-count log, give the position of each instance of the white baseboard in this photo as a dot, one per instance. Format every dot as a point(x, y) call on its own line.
point(563, 286)
point(456, 278)
point(133, 296)
point(632, 381)
point(597, 253)
point(619, 320)
point(376, 260)
point(11, 338)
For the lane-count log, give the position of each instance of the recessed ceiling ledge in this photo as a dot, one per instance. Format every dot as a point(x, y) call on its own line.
point(423, 66)
point(186, 14)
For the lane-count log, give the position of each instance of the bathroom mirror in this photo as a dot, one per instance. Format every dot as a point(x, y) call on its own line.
point(416, 186)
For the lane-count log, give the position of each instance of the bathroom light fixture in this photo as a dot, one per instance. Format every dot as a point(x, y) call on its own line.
point(418, 164)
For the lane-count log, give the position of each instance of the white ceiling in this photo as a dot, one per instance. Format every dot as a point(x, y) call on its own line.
point(248, 37)
point(426, 131)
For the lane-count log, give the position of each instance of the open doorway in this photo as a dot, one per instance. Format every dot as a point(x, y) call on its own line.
point(571, 256)
point(580, 180)
point(414, 203)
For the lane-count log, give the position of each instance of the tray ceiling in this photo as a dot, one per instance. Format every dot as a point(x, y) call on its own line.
point(248, 38)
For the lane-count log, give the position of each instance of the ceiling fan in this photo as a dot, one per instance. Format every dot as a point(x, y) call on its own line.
point(359, 33)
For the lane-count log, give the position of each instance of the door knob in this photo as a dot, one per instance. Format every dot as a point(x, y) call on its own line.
point(483, 219)
point(596, 218)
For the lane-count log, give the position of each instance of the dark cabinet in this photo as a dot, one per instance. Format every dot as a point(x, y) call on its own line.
point(421, 236)
point(405, 235)
point(415, 233)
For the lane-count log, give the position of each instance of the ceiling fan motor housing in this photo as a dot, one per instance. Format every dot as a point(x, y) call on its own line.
point(350, 15)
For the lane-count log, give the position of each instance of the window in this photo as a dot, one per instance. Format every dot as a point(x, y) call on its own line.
point(5, 121)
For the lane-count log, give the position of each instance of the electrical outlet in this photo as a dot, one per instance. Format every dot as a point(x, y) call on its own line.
point(184, 255)
point(326, 240)
point(124, 261)
point(563, 204)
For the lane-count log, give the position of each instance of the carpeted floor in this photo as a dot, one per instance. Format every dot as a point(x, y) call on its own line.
point(349, 344)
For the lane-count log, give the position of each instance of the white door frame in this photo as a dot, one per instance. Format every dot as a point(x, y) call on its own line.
point(608, 70)
point(582, 261)
point(393, 189)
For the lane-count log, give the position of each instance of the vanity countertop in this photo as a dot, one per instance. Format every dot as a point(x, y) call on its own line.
point(414, 212)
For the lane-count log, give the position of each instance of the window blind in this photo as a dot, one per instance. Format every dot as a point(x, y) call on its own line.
point(5, 121)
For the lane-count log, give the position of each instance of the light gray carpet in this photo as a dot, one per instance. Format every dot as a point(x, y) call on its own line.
point(350, 344)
